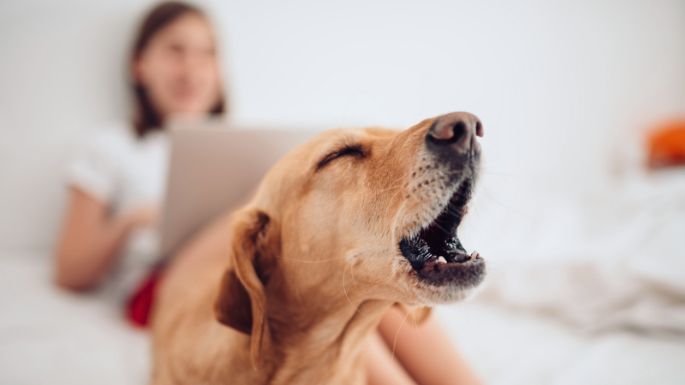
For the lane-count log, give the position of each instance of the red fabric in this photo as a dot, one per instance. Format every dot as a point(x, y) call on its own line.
point(140, 303)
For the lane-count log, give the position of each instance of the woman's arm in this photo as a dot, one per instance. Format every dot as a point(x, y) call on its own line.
point(91, 239)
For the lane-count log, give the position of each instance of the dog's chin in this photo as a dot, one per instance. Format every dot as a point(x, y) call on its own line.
point(428, 294)
point(444, 285)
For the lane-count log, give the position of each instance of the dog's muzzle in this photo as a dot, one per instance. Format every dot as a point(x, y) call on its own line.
point(434, 251)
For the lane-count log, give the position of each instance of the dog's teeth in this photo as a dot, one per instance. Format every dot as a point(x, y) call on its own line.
point(442, 260)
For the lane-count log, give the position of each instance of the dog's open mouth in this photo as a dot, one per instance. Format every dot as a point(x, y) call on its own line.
point(436, 254)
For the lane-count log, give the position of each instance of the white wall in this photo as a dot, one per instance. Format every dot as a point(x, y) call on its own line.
point(556, 83)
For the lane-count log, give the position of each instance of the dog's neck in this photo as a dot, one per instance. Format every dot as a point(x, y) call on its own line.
point(325, 342)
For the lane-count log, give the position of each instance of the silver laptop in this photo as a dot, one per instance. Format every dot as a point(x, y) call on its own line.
point(214, 168)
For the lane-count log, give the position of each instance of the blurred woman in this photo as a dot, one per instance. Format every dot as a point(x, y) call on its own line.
point(116, 182)
point(109, 237)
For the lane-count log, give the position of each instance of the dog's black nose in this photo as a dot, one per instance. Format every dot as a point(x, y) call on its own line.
point(454, 132)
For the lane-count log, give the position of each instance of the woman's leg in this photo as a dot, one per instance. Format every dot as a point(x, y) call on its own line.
point(425, 351)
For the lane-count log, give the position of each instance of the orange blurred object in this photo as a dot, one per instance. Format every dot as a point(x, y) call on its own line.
point(666, 145)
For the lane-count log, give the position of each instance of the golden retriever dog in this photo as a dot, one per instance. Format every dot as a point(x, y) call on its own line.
point(286, 289)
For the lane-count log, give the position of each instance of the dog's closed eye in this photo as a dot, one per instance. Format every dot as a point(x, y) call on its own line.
point(354, 150)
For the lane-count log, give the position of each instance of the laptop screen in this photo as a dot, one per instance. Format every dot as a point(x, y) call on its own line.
point(216, 168)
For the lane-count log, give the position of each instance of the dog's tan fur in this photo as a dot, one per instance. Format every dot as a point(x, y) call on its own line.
point(286, 289)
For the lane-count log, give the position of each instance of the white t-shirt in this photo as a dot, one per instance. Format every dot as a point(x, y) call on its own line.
point(126, 172)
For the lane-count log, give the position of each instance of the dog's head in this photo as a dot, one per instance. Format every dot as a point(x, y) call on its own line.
point(358, 214)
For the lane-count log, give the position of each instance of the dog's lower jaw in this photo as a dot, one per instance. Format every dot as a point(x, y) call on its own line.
point(338, 360)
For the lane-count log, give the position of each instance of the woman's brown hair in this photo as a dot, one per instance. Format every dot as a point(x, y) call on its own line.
point(147, 118)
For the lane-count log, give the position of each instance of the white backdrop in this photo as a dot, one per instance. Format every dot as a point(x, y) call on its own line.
point(557, 84)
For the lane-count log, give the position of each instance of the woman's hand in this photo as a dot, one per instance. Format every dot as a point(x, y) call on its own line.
point(91, 240)
point(141, 217)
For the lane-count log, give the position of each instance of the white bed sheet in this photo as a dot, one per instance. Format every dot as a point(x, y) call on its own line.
point(48, 336)
point(513, 347)
point(51, 337)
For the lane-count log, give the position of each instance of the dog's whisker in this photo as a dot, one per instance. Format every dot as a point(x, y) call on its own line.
point(310, 260)
point(396, 219)
point(397, 187)
point(486, 170)
point(354, 279)
point(393, 187)
point(343, 285)
point(441, 227)
point(397, 333)
point(373, 252)
point(488, 195)
point(385, 281)
point(454, 211)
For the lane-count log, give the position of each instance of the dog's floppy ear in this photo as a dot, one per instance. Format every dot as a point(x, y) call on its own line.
point(241, 304)
point(415, 315)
